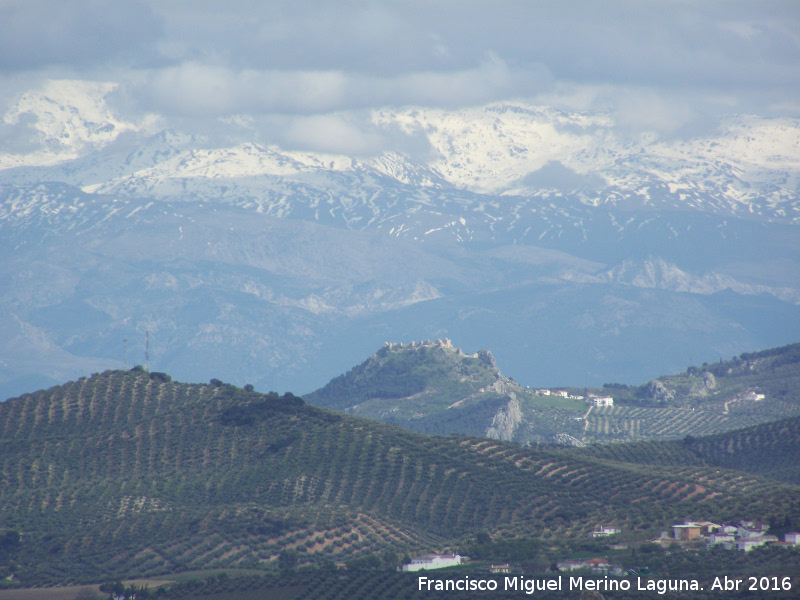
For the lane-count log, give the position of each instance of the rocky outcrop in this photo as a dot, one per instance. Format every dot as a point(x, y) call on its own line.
point(565, 439)
point(709, 381)
point(487, 358)
point(702, 388)
point(506, 421)
point(658, 391)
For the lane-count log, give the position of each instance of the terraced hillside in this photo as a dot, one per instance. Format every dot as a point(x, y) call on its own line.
point(635, 423)
point(130, 473)
point(768, 450)
point(748, 390)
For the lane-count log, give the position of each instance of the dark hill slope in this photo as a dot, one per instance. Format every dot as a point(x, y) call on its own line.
point(126, 473)
point(767, 450)
point(770, 450)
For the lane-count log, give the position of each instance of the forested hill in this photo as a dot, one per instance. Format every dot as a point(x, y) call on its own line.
point(128, 473)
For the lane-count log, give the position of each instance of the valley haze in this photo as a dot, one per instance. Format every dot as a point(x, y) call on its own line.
point(597, 193)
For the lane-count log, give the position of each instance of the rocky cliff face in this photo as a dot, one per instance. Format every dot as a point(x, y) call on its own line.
point(657, 391)
point(434, 387)
point(505, 422)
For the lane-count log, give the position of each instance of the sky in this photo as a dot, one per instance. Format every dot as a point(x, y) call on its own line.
point(295, 70)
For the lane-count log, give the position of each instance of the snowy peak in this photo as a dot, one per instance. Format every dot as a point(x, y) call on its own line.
point(68, 118)
point(533, 154)
point(243, 161)
point(488, 149)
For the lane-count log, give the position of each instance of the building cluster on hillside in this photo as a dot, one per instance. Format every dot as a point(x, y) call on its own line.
point(745, 536)
point(599, 566)
point(591, 399)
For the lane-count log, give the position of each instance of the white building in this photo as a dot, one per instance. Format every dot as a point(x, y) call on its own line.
point(752, 530)
point(747, 544)
point(605, 531)
point(434, 561)
point(603, 401)
point(792, 538)
point(721, 538)
point(570, 565)
point(504, 568)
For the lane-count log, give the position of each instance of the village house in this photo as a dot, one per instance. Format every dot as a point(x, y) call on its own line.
point(570, 565)
point(707, 527)
point(749, 529)
point(434, 561)
point(747, 544)
point(690, 530)
point(504, 568)
point(686, 532)
point(727, 539)
point(603, 401)
point(598, 565)
point(595, 565)
point(792, 538)
point(605, 531)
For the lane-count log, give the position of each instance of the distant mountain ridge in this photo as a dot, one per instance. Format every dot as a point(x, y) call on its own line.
point(506, 226)
point(751, 164)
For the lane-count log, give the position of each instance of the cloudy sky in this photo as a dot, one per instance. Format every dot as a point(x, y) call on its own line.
point(291, 67)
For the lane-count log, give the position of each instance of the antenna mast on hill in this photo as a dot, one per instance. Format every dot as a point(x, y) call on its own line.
point(147, 351)
point(125, 353)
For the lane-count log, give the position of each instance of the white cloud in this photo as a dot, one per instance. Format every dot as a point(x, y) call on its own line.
point(650, 112)
point(211, 90)
point(653, 65)
point(336, 134)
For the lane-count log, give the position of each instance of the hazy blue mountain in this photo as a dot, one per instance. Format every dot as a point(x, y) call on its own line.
point(605, 261)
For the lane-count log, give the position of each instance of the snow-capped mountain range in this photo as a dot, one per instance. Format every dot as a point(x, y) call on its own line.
point(751, 165)
point(507, 199)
